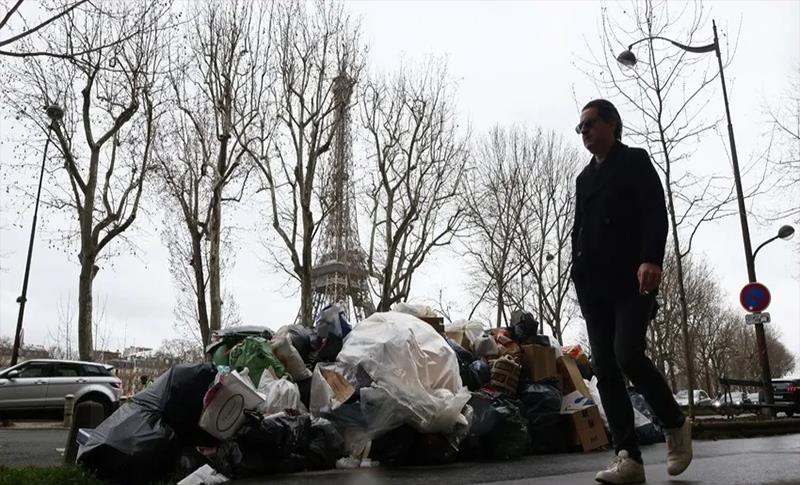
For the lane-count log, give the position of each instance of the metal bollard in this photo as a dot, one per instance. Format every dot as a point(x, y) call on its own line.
point(87, 415)
point(69, 407)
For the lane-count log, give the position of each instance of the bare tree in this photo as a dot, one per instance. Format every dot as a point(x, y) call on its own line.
point(53, 14)
point(495, 199)
point(521, 207)
point(316, 50)
point(199, 160)
point(110, 110)
point(669, 91)
point(418, 159)
point(785, 121)
point(545, 240)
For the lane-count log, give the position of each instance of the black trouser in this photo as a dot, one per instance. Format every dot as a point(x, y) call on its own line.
point(617, 329)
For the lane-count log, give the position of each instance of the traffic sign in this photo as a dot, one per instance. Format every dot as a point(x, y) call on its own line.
point(754, 297)
point(753, 318)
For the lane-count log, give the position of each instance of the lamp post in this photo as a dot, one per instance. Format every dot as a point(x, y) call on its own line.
point(785, 233)
point(55, 113)
point(627, 58)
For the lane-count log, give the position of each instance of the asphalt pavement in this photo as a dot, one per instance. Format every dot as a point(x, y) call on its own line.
point(769, 461)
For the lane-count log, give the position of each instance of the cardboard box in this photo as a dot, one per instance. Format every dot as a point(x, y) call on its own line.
point(539, 362)
point(585, 426)
point(571, 379)
point(460, 338)
point(436, 322)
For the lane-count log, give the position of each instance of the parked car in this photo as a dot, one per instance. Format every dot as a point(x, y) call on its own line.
point(701, 398)
point(754, 397)
point(735, 398)
point(787, 391)
point(41, 384)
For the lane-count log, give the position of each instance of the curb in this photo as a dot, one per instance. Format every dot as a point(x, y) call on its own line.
point(744, 428)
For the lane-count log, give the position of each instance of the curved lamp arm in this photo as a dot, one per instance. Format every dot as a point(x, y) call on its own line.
point(764, 244)
point(700, 49)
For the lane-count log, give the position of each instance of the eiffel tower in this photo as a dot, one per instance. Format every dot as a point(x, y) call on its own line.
point(339, 274)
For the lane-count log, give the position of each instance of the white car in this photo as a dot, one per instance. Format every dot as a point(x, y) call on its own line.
point(701, 398)
point(41, 384)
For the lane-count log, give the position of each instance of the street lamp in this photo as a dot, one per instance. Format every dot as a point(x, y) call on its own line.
point(55, 113)
point(627, 58)
point(785, 233)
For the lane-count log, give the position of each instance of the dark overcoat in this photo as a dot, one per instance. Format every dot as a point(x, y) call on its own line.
point(620, 222)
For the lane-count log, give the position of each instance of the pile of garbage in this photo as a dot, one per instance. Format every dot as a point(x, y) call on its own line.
point(398, 388)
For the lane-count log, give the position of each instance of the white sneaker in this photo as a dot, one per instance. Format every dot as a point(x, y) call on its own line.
point(623, 469)
point(679, 448)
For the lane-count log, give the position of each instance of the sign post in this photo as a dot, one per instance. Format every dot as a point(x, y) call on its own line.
point(755, 297)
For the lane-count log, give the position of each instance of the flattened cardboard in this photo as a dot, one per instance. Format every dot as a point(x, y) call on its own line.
point(342, 390)
point(571, 379)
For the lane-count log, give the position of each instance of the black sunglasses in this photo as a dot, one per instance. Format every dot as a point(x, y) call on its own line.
point(586, 124)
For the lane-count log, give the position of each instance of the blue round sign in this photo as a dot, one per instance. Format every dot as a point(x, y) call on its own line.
point(754, 297)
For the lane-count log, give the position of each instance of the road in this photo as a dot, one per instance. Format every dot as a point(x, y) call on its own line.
point(771, 461)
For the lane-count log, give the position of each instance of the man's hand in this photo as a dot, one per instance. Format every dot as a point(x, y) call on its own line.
point(649, 277)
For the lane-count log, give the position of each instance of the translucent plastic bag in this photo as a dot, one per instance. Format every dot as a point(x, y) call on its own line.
point(472, 329)
point(280, 395)
point(290, 358)
point(415, 373)
point(411, 309)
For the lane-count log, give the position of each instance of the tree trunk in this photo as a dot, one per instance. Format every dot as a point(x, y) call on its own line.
point(500, 308)
point(199, 278)
point(306, 288)
point(214, 264)
point(85, 344)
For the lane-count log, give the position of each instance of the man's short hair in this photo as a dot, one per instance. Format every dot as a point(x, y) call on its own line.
point(607, 112)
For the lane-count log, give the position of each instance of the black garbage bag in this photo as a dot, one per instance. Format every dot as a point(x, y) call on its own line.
point(325, 446)
point(177, 395)
point(395, 447)
point(498, 431)
point(328, 349)
point(133, 445)
point(480, 372)
point(263, 445)
point(524, 329)
point(442, 449)
point(473, 378)
point(542, 411)
point(539, 398)
point(141, 440)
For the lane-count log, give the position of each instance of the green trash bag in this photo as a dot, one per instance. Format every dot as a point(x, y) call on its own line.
point(255, 354)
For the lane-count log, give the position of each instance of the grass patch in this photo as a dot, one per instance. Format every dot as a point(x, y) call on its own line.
point(51, 475)
point(64, 475)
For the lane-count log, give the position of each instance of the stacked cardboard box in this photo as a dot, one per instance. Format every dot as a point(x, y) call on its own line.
point(583, 427)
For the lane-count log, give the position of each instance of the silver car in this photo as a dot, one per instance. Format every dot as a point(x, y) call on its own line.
point(41, 384)
point(701, 398)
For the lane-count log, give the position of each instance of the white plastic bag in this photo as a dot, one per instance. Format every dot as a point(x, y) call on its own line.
point(225, 402)
point(205, 475)
point(574, 401)
point(290, 357)
point(411, 309)
point(415, 373)
point(472, 329)
point(279, 395)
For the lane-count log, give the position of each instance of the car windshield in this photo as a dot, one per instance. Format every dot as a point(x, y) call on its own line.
point(685, 394)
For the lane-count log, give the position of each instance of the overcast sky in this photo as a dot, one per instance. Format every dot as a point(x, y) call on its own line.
point(513, 63)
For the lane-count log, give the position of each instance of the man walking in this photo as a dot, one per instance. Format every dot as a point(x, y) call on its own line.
point(618, 244)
